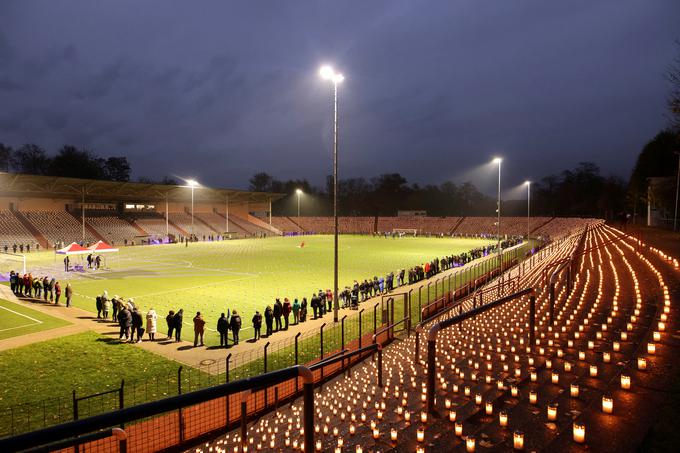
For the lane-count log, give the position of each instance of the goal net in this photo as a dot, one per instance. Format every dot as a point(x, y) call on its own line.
point(405, 231)
point(12, 262)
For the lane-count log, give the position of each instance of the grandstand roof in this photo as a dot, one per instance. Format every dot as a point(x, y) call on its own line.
point(16, 184)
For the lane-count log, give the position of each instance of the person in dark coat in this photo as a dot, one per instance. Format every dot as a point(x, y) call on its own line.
point(98, 304)
point(303, 310)
point(125, 321)
point(269, 319)
point(137, 326)
point(315, 305)
point(223, 328)
point(177, 321)
point(235, 325)
point(286, 311)
point(278, 311)
point(199, 329)
point(257, 325)
point(171, 323)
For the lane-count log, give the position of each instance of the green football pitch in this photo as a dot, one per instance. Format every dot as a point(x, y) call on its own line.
point(245, 275)
point(16, 320)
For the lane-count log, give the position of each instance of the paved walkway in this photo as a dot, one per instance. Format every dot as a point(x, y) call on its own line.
point(183, 352)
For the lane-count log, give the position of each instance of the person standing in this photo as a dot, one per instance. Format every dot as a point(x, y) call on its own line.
point(171, 323)
point(124, 320)
point(69, 294)
point(286, 311)
point(257, 325)
point(223, 328)
point(278, 311)
point(199, 328)
point(66, 261)
point(296, 312)
point(137, 326)
point(235, 325)
point(151, 321)
point(177, 321)
point(329, 300)
point(57, 292)
point(315, 305)
point(269, 320)
point(106, 307)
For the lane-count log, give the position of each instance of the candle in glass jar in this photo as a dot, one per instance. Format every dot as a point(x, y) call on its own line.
point(420, 434)
point(579, 432)
point(458, 429)
point(518, 440)
point(607, 404)
point(393, 435)
point(574, 390)
point(642, 363)
point(470, 444)
point(625, 382)
point(503, 418)
point(452, 416)
point(533, 397)
point(552, 411)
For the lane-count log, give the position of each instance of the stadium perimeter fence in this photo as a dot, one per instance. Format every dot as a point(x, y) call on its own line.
point(352, 333)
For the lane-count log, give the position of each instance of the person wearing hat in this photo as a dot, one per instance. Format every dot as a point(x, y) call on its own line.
point(151, 318)
point(106, 307)
point(199, 329)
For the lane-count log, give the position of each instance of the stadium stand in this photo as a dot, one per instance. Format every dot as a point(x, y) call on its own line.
point(286, 225)
point(217, 222)
point(183, 221)
point(113, 229)
point(423, 224)
point(13, 232)
point(58, 227)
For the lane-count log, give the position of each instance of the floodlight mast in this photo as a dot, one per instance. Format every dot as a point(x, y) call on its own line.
point(327, 73)
point(528, 184)
point(498, 161)
point(298, 192)
point(193, 184)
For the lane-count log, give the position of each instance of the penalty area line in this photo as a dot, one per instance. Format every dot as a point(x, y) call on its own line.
point(37, 321)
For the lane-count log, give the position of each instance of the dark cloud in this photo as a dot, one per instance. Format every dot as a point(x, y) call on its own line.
point(433, 89)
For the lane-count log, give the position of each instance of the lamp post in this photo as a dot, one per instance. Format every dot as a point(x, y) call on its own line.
point(327, 73)
point(528, 183)
point(498, 161)
point(193, 184)
point(298, 192)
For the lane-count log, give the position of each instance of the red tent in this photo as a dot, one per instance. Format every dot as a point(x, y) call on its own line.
point(73, 249)
point(101, 247)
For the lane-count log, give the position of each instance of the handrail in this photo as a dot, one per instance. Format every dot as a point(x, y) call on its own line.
point(67, 443)
point(389, 327)
point(344, 356)
point(88, 425)
point(434, 331)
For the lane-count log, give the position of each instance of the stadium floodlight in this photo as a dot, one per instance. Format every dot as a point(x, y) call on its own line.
point(298, 192)
point(328, 73)
point(498, 160)
point(192, 183)
point(528, 184)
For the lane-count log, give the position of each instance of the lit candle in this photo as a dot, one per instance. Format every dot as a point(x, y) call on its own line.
point(470, 444)
point(420, 434)
point(651, 348)
point(518, 440)
point(555, 377)
point(567, 366)
point(452, 415)
point(574, 390)
point(376, 433)
point(393, 435)
point(534, 376)
point(606, 357)
point(458, 429)
point(478, 399)
point(593, 370)
point(514, 391)
point(503, 418)
point(423, 417)
point(552, 411)
point(319, 445)
point(607, 404)
point(533, 397)
point(358, 449)
point(352, 429)
point(489, 408)
point(625, 382)
point(642, 363)
point(616, 346)
point(579, 432)
point(407, 416)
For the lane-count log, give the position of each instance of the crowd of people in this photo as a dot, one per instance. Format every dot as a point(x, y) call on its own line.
point(46, 288)
point(20, 248)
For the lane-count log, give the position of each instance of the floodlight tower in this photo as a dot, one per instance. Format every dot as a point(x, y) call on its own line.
point(327, 73)
point(528, 184)
point(193, 184)
point(298, 192)
point(498, 161)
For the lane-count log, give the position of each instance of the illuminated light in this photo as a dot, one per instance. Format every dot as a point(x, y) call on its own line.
point(552, 411)
point(470, 444)
point(625, 382)
point(503, 418)
point(573, 390)
point(514, 391)
point(458, 429)
point(393, 435)
point(651, 348)
point(616, 346)
point(452, 416)
point(607, 404)
point(579, 432)
point(326, 72)
point(489, 408)
point(593, 370)
point(606, 357)
point(555, 377)
point(352, 429)
point(567, 367)
point(518, 440)
point(376, 433)
point(478, 399)
point(533, 397)
point(420, 434)
point(423, 417)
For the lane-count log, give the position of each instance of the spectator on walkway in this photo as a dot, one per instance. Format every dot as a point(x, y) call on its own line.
point(223, 328)
point(296, 312)
point(52, 283)
point(235, 325)
point(177, 321)
point(106, 307)
point(97, 302)
point(315, 305)
point(46, 287)
point(286, 311)
point(303, 310)
point(66, 261)
point(278, 311)
point(269, 320)
point(151, 320)
point(257, 325)
point(57, 292)
point(125, 321)
point(69, 294)
point(171, 323)
point(199, 328)
point(137, 326)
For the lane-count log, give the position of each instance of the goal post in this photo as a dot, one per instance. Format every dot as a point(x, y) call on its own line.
point(405, 231)
point(11, 261)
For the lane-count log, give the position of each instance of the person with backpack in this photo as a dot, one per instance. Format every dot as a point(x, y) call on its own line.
point(269, 320)
point(223, 328)
point(257, 325)
point(199, 328)
point(235, 325)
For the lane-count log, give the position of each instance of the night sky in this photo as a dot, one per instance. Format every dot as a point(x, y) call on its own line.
point(433, 89)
